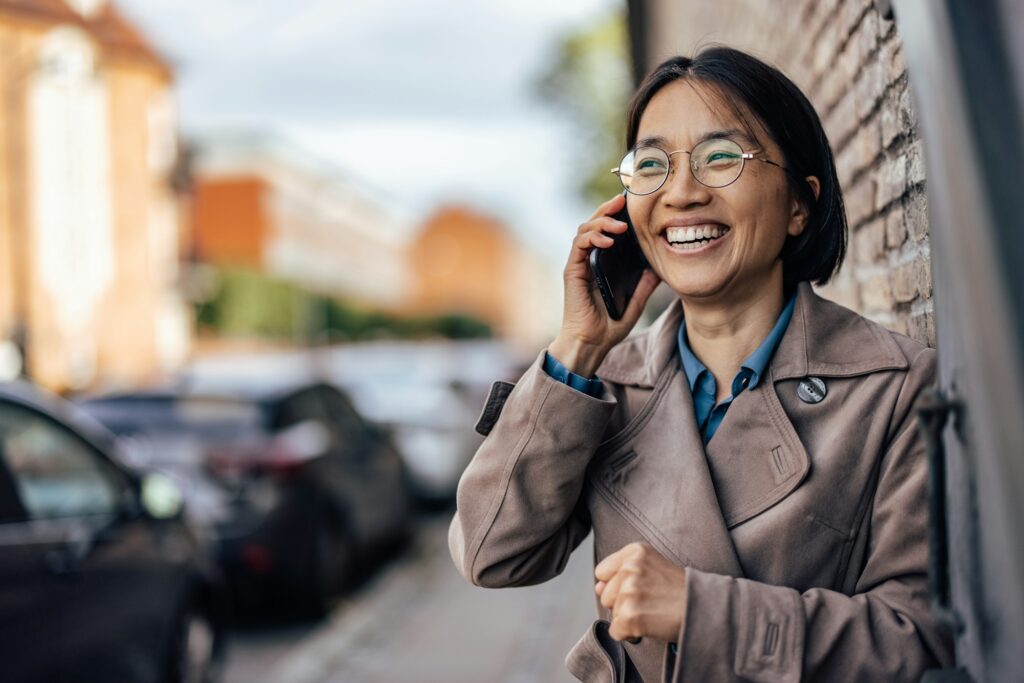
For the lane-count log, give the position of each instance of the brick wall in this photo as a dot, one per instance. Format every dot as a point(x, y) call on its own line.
point(847, 57)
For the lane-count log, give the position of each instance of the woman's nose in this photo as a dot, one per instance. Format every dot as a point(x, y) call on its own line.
point(681, 189)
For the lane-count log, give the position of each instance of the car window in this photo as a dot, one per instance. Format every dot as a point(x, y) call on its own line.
point(340, 411)
point(56, 474)
point(301, 407)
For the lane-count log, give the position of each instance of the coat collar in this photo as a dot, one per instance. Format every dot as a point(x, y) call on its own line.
point(823, 339)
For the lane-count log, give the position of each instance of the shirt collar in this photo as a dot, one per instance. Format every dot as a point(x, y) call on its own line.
point(758, 360)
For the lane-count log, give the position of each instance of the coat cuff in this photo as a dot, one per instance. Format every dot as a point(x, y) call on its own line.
point(737, 630)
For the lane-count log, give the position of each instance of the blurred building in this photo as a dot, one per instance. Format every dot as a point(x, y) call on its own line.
point(89, 220)
point(847, 56)
point(263, 206)
point(465, 262)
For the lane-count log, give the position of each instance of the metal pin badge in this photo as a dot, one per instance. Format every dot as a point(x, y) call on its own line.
point(811, 390)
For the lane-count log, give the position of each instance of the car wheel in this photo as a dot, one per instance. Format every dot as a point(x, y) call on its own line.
point(331, 566)
point(194, 652)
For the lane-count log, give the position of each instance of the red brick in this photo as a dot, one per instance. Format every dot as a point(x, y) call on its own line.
point(916, 207)
point(915, 163)
point(876, 294)
point(922, 328)
point(898, 324)
point(908, 117)
point(859, 201)
point(889, 119)
point(842, 120)
point(891, 58)
point(859, 153)
point(891, 181)
point(869, 87)
point(869, 242)
point(849, 15)
point(843, 290)
point(904, 283)
point(867, 33)
point(895, 229)
point(923, 277)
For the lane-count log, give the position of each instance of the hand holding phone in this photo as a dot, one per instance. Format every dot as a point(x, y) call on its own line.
point(588, 330)
point(618, 268)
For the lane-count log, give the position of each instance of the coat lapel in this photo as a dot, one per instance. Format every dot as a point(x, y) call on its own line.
point(756, 457)
point(685, 500)
point(655, 472)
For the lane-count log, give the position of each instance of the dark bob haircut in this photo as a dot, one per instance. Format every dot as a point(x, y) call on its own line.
point(785, 113)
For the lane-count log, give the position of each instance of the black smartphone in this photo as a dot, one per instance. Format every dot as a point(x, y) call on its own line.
point(618, 269)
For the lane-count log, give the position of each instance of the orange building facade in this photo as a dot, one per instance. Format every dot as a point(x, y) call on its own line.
point(264, 206)
point(89, 219)
point(464, 261)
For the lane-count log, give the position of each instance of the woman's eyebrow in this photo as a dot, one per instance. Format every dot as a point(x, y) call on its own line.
point(659, 141)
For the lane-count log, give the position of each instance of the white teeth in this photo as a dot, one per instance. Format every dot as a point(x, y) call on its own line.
point(693, 235)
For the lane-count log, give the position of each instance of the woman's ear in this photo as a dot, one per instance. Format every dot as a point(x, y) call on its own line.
point(800, 211)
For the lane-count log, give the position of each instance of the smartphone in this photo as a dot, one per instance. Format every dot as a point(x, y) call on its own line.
point(618, 269)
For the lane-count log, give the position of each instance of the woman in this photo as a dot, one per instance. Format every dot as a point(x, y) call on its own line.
point(750, 464)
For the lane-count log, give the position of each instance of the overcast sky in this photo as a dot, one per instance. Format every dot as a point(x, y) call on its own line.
point(429, 100)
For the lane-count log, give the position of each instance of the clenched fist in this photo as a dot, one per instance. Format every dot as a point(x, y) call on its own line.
point(645, 592)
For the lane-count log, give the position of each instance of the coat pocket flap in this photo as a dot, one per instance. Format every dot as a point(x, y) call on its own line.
point(597, 657)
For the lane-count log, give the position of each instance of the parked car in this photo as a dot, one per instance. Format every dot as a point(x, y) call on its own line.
point(429, 394)
point(100, 578)
point(298, 489)
point(432, 426)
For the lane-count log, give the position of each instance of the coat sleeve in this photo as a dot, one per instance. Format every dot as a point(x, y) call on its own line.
point(741, 630)
point(519, 511)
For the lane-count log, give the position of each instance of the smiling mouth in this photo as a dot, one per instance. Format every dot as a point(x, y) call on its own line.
point(695, 237)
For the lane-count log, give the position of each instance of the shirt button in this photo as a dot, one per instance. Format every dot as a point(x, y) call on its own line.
point(812, 390)
point(745, 381)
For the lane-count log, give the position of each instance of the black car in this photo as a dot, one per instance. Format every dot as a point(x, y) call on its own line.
point(299, 491)
point(100, 578)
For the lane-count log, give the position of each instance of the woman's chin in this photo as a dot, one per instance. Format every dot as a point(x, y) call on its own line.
point(695, 286)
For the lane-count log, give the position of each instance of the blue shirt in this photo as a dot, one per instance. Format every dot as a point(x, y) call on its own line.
point(553, 367)
point(702, 382)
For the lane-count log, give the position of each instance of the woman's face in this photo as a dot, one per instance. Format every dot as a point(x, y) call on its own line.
point(752, 216)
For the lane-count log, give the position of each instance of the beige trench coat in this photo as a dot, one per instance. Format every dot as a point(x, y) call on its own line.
point(802, 526)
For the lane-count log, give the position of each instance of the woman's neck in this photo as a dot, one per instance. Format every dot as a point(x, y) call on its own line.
point(723, 333)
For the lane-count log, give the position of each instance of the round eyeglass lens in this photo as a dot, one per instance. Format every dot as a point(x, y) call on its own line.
point(643, 170)
point(716, 162)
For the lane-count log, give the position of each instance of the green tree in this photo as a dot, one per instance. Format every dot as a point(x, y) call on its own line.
point(591, 78)
point(248, 304)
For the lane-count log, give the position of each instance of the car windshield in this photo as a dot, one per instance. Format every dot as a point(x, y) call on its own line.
point(178, 430)
point(211, 418)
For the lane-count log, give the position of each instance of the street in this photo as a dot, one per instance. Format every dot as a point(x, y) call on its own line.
point(419, 621)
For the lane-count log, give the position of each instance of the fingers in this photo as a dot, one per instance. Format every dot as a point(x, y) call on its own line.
point(626, 627)
point(611, 590)
point(591, 235)
point(627, 615)
point(602, 224)
point(617, 588)
point(609, 566)
point(610, 206)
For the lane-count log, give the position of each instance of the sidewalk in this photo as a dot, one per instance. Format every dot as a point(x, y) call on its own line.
point(421, 622)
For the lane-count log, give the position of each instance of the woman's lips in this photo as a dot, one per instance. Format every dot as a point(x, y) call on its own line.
point(688, 250)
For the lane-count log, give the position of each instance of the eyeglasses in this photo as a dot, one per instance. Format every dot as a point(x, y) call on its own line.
point(716, 162)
